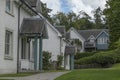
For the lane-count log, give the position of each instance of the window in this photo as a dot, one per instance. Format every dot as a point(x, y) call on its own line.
point(23, 55)
point(103, 40)
point(9, 6)
point(8, 43)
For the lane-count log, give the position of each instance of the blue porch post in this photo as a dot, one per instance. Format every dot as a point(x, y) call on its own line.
point(35, 53)
point(40, 53)
point(72, 61)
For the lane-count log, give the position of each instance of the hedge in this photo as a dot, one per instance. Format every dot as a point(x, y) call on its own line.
point(102, 58)
point(85, 54)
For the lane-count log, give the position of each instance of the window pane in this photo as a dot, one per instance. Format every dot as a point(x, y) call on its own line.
point(8, 5)
point(8, 42)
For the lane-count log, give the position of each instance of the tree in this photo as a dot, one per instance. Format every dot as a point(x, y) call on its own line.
point(98, 18)
point(112, 13)
point(85, 21)
point(81, 21)
point(45, 12)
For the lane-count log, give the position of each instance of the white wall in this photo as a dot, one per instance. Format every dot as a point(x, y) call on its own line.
point(10, 22)
point(52, 44)
point(75, 35)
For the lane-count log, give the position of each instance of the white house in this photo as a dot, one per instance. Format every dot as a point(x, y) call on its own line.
point(22, 36)
point(75, 35)
point(56, 43)
point(12, 13)
point(92, 40)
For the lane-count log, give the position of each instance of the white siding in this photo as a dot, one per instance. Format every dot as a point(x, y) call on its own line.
point(10, 22)
point(75, 35)
point(52, 44)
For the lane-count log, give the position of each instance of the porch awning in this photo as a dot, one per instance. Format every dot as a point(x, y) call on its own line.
point(69, 50)
point(32, 27)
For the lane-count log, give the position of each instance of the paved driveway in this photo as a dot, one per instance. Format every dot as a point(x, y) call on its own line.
point(41, 76)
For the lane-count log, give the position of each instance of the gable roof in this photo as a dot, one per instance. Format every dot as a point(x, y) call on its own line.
point(87, 33)
point(67, 35)
point(32, 3)
point(69, 50)
point(33, 27)
point(73, 29)
point(61, 29)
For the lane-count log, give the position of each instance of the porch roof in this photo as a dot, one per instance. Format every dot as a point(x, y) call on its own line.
point(32, 27)
point(69, 50)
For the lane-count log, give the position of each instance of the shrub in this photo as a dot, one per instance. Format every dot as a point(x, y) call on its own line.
point(46, 60)
point(85, 60)
point(59, 62)
point(103, 58)
point(85, 54)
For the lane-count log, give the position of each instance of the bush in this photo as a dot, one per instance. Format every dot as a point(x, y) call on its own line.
point(102, 58)
point(85, 54)
point(46, 60)
point(59, 61)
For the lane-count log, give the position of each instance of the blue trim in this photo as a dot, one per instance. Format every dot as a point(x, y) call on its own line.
point(72, 61)
point(35, 53)
point(40, 53)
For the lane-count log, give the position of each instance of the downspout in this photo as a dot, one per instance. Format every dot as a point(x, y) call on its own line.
point(18, 36)
point(60, 45)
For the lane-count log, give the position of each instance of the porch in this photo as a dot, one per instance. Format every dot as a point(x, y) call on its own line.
point(69, 57)
point(32, 32)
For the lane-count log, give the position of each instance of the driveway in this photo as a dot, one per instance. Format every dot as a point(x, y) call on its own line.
point(41, 76)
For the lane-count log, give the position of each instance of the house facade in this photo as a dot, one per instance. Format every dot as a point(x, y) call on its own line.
point(25, 33)
point(56, 44)
point(91, 40)
point(18, 46)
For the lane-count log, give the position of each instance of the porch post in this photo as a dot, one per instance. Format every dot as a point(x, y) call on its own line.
point(35, 54)
point(72, 61)
point(40, 53)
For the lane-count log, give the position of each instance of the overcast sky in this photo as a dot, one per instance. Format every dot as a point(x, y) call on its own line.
point(74, 5)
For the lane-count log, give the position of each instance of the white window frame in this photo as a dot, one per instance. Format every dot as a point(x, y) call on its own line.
point(102, 40)
point(10, 9)
point(8, 44)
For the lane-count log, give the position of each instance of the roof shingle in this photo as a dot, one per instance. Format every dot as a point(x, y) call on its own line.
point(69, 49)
point(32, 26)
point(87, 33)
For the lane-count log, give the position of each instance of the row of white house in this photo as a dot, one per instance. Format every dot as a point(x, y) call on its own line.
point(25, 34)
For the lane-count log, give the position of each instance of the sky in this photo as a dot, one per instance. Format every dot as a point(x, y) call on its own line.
point(74, 5)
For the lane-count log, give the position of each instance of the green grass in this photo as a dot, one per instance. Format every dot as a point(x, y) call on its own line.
point(19, 74)
point(116, 66)
point(6, 79)
point(93, 74)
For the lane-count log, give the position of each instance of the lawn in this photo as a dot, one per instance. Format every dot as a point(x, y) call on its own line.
point(19, 74)
point(93, 74)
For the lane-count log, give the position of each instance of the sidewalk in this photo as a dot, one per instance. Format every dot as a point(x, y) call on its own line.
point(41, 76)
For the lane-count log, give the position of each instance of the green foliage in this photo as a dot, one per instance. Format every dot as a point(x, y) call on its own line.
point(46, 60)
point(103, 58)
point(117, 44)
point(98, 18)
point(84, 54)
point(81, 21)
point(112, 13)
point(59, 62)
point(45, 12)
